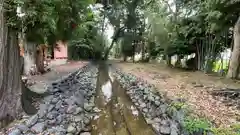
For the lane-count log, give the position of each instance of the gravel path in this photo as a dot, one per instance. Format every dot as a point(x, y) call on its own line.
point(56, 73)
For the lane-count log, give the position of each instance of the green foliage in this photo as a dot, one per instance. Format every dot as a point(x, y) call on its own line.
point(87, 41)
point(48, 19)
point(178, 105)
point(193, 125)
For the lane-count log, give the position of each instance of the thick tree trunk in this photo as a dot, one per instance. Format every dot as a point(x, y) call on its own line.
point(40, 61)
point(235, 61)
point(11, 86)
point(29, 57)
point(10, 76)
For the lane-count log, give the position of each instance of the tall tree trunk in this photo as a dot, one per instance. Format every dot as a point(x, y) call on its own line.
point(10, 78)
point(235, 61)
point(124, 58)
point(133, 53)
point(29, 57)
point(115, 39)
point(40, 61)
point(143, 50)
point(178, 62)
point(11, 86)
point(168, 59)
point(52, 50)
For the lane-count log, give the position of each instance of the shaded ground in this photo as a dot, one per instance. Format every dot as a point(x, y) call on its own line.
point(57, 72)
point(192, 86)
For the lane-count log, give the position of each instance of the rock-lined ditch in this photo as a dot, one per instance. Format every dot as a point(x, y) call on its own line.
point(67, 110)
point(125, 105)
point(165, 116)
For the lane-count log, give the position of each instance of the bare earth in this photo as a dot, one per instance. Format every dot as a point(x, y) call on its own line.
point(192, 86)
point(57, 72)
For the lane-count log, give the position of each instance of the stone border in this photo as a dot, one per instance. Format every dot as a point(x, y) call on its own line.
point(166, 116)
point(66, 111)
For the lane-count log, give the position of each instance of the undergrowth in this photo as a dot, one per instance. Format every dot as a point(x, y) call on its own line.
point(193, 124)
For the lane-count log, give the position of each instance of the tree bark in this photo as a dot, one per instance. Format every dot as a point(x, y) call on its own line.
point(115, 38)
point(235, 61)
point(11, 86)
point(10, 76)
point(40, 62)
point(29, 57)
point(40, 57)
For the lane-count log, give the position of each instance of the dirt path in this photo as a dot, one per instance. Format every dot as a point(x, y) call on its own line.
point(192, 86)
point(116, 115)
point(57, 72)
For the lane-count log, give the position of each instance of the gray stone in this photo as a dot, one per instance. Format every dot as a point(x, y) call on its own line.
point(39, 127)
point(60, 133)
point(60, 128)
point(86, 120)
point(145, 110)
point(68, 101)
point(165, 130)
point(62, 110)
point(59, 104)
point(174, 128)
point(210, 133)
point(60, 118)
point(85, 133)
point(51, 131)
point(179, 115)
point(149, 121)
point(15, 132)
point(31, 134)
point(78, 110)
point(52, 115)
point(71, 129)
point(23, 128)
point(156, 127)
point(71, 109)
point(158, 120)
point(88, 106)
point(87, 128)
point(52, 122)
point(157, 98)
point(42, 110)
point(54, 100)
point(33, 120)
point(163, 108)
point(143, 105)
point(78, 118)
point(48, 98)
point(50, 108)
point(165, 122)
point(157, 103)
